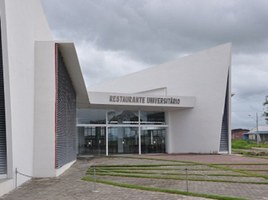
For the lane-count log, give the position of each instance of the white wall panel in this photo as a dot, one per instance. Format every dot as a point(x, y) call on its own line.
point(203, 75)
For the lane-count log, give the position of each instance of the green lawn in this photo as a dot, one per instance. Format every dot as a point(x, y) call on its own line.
point(135, 175)
point(243, 144)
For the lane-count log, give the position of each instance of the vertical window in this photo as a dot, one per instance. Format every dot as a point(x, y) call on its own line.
point(3, 152)
point(65, 116)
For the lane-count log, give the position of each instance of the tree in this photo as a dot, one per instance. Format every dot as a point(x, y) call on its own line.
point(265, 104)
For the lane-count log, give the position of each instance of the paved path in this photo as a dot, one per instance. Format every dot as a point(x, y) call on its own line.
point(244, 190)
point(219, 159)
point(69, 186)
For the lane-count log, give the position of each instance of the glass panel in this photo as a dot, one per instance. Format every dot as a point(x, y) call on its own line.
point(91, 116)
point(123, 140)
point(153, 140)
point(92, 140)
point(157, 118)
point(123, 117)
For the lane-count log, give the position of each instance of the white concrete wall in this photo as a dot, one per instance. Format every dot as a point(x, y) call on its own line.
point(44, 110)
point(23, 22)
point(203, 75)
point(6, 186)
point(30, 88)
point(198, 130)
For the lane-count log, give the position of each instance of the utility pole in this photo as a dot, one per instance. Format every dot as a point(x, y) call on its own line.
point(258, 139)
point(257, 129)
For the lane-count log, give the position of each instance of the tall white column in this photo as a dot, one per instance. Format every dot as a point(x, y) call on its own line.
point(139, 132)
point(106, 133)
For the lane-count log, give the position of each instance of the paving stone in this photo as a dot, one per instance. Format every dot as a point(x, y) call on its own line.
point(69, 186)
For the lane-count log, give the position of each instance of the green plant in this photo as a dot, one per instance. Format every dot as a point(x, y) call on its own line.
point(246, 144)
point(155, 189)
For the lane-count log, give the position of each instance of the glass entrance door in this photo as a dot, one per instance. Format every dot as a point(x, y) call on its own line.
point(92, 140)
point(153, 140)
point(123, 140)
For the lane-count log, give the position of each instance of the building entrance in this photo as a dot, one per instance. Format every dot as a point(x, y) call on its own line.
point(153, 140)
point(123, 140)
point(121, 132)
point(92, 140)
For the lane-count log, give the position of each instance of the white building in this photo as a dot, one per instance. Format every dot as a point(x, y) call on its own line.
point(178, 107)
point(40, 86)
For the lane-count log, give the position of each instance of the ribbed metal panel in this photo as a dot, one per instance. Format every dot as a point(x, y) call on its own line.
point(66, 116)
point(3, 152)
point(224, 142)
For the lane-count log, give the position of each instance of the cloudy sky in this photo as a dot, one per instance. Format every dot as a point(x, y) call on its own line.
point(117, 37)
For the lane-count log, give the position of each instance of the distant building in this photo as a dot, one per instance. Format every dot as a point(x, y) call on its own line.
point(261, 132)
point(237, 134)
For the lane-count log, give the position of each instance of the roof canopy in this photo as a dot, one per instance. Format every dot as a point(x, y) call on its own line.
point(73, 67)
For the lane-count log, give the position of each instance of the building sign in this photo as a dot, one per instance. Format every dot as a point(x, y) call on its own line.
point(143, 100)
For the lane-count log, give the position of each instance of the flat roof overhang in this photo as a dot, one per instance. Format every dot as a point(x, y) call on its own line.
point(71, 61)
point(106, 100)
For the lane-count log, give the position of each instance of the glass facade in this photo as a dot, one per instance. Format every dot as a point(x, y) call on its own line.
point(123, 117)
point(91, 116)
point(120, 132)
point(92, 140)
point(123, 140)
point(153, 140)
point(157, 118)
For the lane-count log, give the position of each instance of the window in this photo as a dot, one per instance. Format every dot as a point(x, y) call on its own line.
point(123, 117)
point(156, 118)
point(3, 151)
point(91, 116)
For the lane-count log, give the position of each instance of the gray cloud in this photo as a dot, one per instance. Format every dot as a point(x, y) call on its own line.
point(116, 37)
point(250, 72)
point(155, 31)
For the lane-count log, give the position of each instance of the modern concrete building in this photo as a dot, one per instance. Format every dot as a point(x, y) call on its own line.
point(40, 87)
point(178, 107)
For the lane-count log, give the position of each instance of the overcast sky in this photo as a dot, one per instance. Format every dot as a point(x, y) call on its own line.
point(117, 37)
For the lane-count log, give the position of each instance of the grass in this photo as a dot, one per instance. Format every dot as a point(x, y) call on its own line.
point(176, 178)
point(156, 167)
point(245, 148)
point(150, 168)
point(169, 191)
point(156, 171)
point(181, 179)
point(155, 159)
point(241, 171)
point(251, 153)
point(244, 144)
point(233, 164)
point(148, 165)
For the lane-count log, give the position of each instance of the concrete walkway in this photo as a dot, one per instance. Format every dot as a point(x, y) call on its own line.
point(69, 186)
